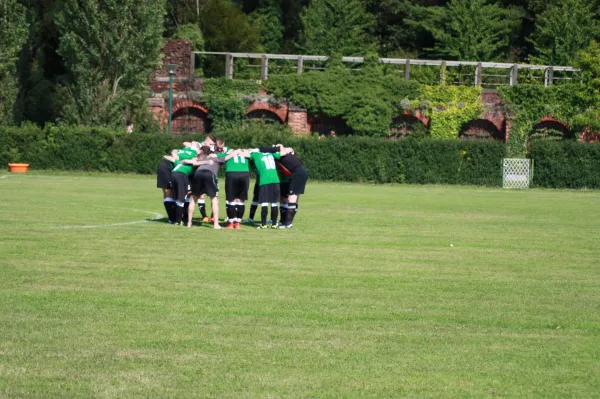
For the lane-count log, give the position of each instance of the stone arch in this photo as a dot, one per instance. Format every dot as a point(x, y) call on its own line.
point(262, 109)
point(481, 129)
point(406, 124)
point(189, 117)
point(547, 124)
point(265, 115)
point(323, 125)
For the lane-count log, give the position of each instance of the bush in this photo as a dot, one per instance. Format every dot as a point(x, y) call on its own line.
point(351, 159)
point(565, 164)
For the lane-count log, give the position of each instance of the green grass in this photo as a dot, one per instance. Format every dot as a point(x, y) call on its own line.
point(365, 297)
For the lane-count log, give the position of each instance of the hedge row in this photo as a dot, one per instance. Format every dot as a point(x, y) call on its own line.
point(351, 159)
point(565, 164)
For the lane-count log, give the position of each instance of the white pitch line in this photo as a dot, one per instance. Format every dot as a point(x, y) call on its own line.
point(100, 226)
point(3, 177)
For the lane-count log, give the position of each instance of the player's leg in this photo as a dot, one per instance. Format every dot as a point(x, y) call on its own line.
point(202, 208)
point(297, 186)
point(163, 181)
point(275, 194)
point(241, 192)
point(212, 190)
point(283, 202)
point(180, 186)
point(191, 208)
point(255, 202)
point(230, 201)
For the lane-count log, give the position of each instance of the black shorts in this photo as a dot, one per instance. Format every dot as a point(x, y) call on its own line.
point(269, 193)
point(205, 182)
point(236, 185)
point(298, 181)
point(163, 174)
point(284, 187)
point(255, 193)
point(181, 186)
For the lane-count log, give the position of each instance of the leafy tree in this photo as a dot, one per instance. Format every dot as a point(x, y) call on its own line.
point(267, 22)
point(337, 26)
point(13, 35)
point(226, 28)
point(109, 48)
point(469, 30)
point(563, 29)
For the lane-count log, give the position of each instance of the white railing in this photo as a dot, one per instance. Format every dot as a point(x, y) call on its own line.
point(511, 71)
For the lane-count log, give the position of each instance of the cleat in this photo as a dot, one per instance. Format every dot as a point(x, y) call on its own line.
point(262, 227)
point(274, 226)
point(204, 219)
point(212, 220)
point(250, 221)
point(237, 225)
point(230, 226)
point(289, 226)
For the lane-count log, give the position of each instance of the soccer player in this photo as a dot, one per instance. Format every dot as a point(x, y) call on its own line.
point(163, 181)
point(180, 179)
point(205, 182)
point(269, 190)
point(237, 181)
point(216, 145)
point(292, 167)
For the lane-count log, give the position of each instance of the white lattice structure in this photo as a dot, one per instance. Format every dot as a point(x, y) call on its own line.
point(517, 173)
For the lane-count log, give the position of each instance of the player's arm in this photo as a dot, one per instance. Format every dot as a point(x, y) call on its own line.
point(197, 162)
point(269, 150)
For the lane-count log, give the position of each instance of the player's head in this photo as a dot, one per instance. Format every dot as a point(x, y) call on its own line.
point(220, 144)
point(205, 150)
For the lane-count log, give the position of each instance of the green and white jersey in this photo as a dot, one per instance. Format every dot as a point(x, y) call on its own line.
point(183, 154)
point(235, 164)
point(266, 167)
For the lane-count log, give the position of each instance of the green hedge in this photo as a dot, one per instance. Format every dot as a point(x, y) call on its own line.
point(565, 164)
point(351, 159)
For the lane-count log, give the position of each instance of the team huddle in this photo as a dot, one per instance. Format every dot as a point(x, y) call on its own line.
point(187, 176)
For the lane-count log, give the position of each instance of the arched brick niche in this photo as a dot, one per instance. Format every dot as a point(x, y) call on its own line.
point(406, 124)
point(481, 129)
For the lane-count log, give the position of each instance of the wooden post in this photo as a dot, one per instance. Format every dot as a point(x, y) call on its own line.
point(478, 80)
point(192, 64)
point(300, 64)
point(514, 75)
point(407, 70)
point(443, 73)
point(548, 76)
point(264, 67)
point(229, 66)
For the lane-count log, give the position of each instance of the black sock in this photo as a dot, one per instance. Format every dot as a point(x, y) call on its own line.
point(253, 209)
point(264, 212)
point(241, 208)
point(283, 208)
point(230, 212)
point(185, 212)
point(178, 214)
point(202, 207)
point(274, 214)
point(170, 208)
point(292, 208)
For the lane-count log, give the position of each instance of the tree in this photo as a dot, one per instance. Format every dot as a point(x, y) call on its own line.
point(337, 26)
point(13, 35)
point(226, 28)
point(266, 19)
point(109, 48)
point(563, 29)
point(470, 30)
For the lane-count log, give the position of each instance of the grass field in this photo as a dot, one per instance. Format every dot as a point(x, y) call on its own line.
point(364, 297)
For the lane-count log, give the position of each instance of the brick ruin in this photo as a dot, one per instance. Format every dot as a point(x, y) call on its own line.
point(190, 115)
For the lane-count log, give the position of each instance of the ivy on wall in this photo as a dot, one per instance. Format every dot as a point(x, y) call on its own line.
point(368, 100)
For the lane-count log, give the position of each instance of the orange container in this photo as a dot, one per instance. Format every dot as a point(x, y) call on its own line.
point(18, 167)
